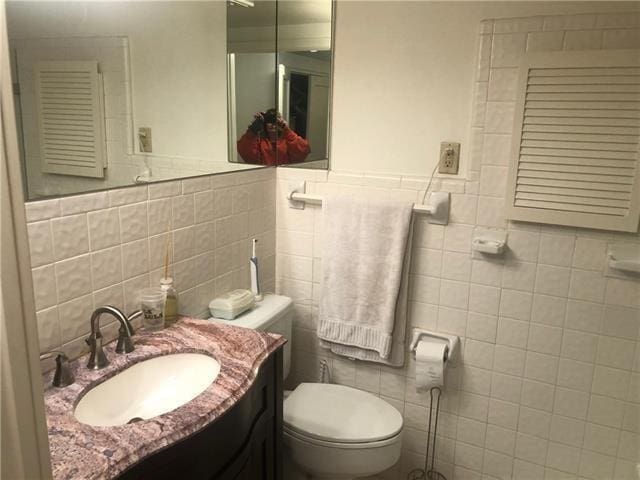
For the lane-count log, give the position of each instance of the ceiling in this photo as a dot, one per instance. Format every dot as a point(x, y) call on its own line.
point(323, 55)
point(290, 12)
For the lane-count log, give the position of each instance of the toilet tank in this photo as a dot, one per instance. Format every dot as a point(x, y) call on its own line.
point(273, 314)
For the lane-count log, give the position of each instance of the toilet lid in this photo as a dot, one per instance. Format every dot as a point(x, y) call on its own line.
point(337, 413)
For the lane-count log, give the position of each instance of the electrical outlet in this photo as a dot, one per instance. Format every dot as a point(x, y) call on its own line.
point(449, 157)
point(144, 138)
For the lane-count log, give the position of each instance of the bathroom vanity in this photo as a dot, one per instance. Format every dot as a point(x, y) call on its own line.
point(232, 430)
point(245, 443)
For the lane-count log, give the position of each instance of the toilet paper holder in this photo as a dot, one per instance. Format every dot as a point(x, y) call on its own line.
point(452, 342)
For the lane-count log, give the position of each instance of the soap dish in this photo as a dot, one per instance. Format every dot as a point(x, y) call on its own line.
point(623, 258)
point(489, 242)
point(492, 247)
point(231, 304)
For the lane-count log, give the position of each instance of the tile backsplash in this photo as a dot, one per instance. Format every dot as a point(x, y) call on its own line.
point(101, 248)
point(549, 383)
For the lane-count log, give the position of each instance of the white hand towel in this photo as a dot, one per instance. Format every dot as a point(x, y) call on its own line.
point(365, 263)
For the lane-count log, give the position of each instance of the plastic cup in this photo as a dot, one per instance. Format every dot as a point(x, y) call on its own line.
point(152, 305)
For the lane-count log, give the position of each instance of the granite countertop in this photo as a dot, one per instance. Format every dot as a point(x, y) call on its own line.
point(80, 451)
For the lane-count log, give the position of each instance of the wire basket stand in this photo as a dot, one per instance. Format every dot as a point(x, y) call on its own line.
point(429, 472)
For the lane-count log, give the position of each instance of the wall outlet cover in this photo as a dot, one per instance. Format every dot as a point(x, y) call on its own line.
point(144, 136)
point(449, 157)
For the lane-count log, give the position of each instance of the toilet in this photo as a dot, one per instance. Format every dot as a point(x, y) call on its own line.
point(330, 431)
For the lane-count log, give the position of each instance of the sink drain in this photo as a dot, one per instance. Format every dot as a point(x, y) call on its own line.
point(134, 420)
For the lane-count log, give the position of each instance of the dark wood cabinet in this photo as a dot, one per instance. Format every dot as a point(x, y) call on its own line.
point(243, 444)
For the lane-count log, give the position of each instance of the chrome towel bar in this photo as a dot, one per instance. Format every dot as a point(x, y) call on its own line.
point(437, 209)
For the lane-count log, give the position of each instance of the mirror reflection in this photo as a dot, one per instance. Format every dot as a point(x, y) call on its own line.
point(108, 94)
point(279, 105)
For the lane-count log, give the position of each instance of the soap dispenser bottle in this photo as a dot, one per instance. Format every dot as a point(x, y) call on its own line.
point(255, 273)
point(171, 301)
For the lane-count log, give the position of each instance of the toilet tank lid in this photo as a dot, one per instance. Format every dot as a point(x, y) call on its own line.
point(263, 314)
point(337, 413)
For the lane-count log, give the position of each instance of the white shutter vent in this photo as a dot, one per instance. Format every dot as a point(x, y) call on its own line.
point(576, 140)
point(71, 122)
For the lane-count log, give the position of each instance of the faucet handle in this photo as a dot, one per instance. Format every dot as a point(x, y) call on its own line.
point(63, 376)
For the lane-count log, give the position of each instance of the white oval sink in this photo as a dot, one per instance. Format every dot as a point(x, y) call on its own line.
point(147, 389)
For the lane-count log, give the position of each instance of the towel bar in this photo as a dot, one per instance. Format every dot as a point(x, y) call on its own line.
point(437, 208)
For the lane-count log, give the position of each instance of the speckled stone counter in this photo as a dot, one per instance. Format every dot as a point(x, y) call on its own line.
point(80, 451)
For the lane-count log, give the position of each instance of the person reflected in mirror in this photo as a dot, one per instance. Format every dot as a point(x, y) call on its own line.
point(270, 141)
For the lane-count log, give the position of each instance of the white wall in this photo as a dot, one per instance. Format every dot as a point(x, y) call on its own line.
point(255, 87)
point(403, 78)
point(178, 62)
point(548, 382)
point(319, 100)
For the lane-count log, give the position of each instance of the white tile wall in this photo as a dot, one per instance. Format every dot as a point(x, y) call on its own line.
point(101, 248)
point(549, 386)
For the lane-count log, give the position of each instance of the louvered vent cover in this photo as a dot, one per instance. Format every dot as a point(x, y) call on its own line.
point(71, 118)
point(576, 139)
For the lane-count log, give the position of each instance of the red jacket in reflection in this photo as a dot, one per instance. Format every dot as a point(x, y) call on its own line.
point(291, 148)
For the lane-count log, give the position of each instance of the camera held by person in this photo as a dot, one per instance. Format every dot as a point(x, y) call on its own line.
point(270, 141)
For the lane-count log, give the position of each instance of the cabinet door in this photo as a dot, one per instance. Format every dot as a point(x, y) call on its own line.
point(259, 462)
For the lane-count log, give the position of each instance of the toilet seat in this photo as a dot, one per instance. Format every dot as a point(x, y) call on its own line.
point(341, 445)
point(340, 416)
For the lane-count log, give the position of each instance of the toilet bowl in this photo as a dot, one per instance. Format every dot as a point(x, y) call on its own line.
point(330, 431)
point(338, 432)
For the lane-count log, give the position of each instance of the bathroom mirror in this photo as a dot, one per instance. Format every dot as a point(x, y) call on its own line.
point(108, 94)
point(293, 82)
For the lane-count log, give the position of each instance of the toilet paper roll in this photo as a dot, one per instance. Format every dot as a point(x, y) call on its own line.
point(429, 365)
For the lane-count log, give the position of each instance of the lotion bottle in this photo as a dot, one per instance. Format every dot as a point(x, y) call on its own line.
point(171, 301)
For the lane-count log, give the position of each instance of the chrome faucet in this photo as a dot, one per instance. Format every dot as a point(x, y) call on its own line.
point(63, 376)
point(97, 357)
